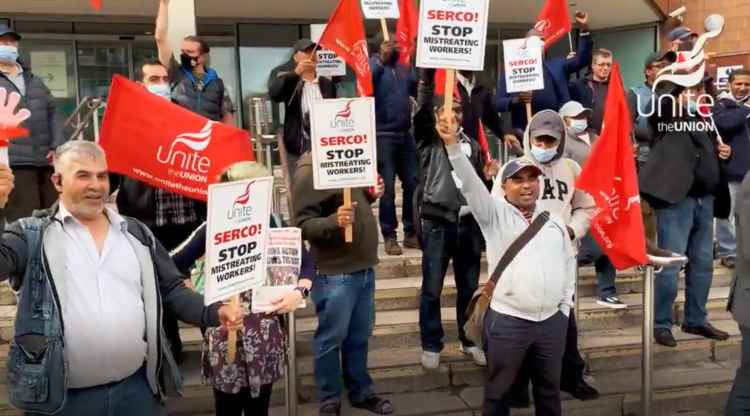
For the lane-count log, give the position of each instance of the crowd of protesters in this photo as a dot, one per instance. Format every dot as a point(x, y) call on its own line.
point(105, 340)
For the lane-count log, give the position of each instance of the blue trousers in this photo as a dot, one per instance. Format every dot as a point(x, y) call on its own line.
point(685, 228)
point(345, 305)
point(397, 155)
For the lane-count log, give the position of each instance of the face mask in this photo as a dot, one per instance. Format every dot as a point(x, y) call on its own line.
point(543, 155)
point(8, 53)
point(188, 61)
point(162, 90)
point(579, 126)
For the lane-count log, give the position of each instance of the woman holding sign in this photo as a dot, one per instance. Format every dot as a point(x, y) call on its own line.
point(245, 384)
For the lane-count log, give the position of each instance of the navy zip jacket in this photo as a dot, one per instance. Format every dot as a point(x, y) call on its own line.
point(555, 93)
point(393, 85)
point(734, 127)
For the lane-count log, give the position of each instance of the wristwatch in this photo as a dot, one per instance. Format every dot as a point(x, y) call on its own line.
point(304, 291)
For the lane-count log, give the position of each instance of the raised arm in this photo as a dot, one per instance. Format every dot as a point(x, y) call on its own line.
point(161, 33)
point(190, 250)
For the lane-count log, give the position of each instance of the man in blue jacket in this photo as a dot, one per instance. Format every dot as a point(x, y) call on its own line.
point(397, 151)
point(556, 75)
point(731, 116)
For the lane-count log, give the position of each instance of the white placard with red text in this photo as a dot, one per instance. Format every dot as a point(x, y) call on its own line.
point(452, 34)
point(284, 264)
point(329, 64)
point(523, 64)
point(380, 9)
point(344, 151)
point(236, 236)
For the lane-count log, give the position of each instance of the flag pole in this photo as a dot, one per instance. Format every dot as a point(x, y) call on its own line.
point(384, 27)
point(529, 114)
point(570, 42)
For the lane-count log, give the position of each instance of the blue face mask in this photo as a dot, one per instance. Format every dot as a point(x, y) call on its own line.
point(8, 53)
point(162, 90)
point(543, 155)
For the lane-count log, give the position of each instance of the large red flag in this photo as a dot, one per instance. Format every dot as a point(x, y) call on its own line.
point(96, 4)
point(406, 31)
point(164, 145)
point(610, 177)
point(345, 35)
point(554, 21)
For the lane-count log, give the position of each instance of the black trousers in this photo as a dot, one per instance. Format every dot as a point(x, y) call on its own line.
point(34, 190)
point(572, 367)
point(228, 404)
point(512, 342)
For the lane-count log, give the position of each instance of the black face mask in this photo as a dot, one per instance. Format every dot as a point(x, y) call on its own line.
point(394, 57)
point(188, 61)
point(686, 46)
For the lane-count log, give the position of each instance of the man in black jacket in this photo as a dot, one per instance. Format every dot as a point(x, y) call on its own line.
point(29, 156)
point(298, 89)
point(591, 91)
point(449, 231)
point(687, 148)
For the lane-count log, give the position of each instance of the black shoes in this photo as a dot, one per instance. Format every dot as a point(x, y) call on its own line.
point(663, 336)
point(411, 241)
point(376, 405)
point(581, 390)
point(707, 331)
point(330, 409)
point(728, 262)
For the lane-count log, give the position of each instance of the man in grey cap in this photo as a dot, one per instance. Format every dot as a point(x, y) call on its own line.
point(30, 156)
point(528, 315)
point(297, 85)
point(682, 38)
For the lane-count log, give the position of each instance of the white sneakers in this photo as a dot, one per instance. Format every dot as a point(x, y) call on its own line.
point(430, 360)
point(476, 354)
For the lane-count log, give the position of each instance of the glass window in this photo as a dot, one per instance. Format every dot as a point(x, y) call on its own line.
point(97, 63)
point(256, 64)
point(53, 62)
point(630, 47)
point(224, 61)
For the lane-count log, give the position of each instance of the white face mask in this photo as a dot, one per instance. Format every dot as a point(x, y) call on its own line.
point(543, 155)
point(162, 90)
point(579, 126)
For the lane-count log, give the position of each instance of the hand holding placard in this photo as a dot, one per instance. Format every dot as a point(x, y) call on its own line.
point(345, 214)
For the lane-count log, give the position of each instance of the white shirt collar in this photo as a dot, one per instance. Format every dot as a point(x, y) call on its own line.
point(114, 218)
point(466, 82)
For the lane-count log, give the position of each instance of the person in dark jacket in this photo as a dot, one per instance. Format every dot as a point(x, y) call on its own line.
point(449, 231)
point(556, 76)
point(194, 84)
point(29, 156)
point(731, 114)
point(591, 90)
point(343, 290)
point(297, 87)
point(687, 148)
point(394, 86)
point(739, 302)
point(87, 327)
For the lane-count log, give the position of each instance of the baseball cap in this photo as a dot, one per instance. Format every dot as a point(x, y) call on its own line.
point(547, 123)
point(303, 45)
point(573, 109)
point(680, 33)
point(6, 30)
point(668, 56)
point(516, 165)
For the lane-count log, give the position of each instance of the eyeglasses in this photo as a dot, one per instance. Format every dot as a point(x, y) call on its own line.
point(603, 64)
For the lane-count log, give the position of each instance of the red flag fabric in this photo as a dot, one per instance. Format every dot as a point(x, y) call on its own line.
point(345, 35)
point(440, 83)
point(406, 31)
point(483, 142)
point(610, 177)
point(164, 145)
point(96, 4)
point(554, 21)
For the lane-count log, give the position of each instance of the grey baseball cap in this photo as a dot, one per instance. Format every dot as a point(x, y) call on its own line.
point(680, 33)
point(547, 123)
point(669, 56)
point(516, 165)
point(573, 109)
point(6, 30)
point(303, 45)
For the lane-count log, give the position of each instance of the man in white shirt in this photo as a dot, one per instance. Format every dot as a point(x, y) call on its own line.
point(91, 287)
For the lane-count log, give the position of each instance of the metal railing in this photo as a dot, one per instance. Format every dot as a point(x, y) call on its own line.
point(84, 115)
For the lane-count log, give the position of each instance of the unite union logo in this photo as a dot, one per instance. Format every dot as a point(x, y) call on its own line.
point(343, 119)
point(239, 210)
point(183, 154)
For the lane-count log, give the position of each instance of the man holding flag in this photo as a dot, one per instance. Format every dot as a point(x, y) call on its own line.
point(556, 71)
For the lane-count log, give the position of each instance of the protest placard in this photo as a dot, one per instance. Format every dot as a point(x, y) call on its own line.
point(283, 264)
point(329, 64)
point(523, 64)
point(343, 143)
point(380, 9)
point(452, 34)
point(236, 235)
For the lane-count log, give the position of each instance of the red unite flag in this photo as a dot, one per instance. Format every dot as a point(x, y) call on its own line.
point(554, 21)
point(610, 177)
point(406, 31)
point(345, 35)
point(166, 146)
point(96, 5)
